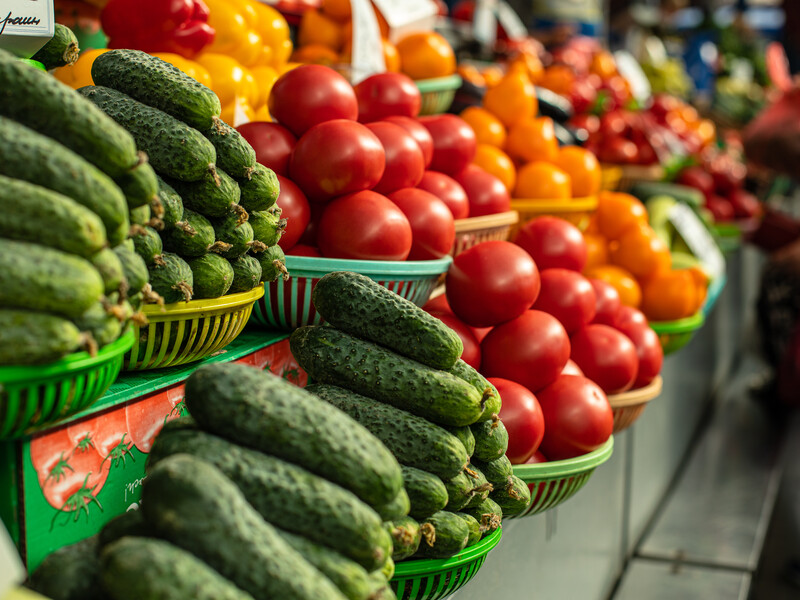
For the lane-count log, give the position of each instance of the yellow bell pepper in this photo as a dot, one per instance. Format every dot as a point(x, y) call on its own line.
point(191, 68)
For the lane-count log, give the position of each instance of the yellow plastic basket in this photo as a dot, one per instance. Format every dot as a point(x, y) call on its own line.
point(629, 406)
point(630, 174)
point(577, 211)
point(610, 178)
point(474, 230)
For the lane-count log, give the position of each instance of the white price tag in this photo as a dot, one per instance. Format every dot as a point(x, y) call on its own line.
point(367, 56)
point(510, 21)
point(484, 22)
point(699, 240)
point(404, 12)
point(25, 25)
point(630, 69)
point(11, 571)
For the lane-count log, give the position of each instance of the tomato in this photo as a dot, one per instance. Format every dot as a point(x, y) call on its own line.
point(472, 347)
point(618, 151)
point(309, 95)
point(387, 94)
point(613, 124)
point(720, 208)
point(145, 418)
point(572, 369)
point(640, 251)
point(553, 243)
point(486, 193)
point(589, 123)
point(454, 142)
point(531, 350)
point(568, 296)
point(608, 302)
point(627, 316)
point(309, 236)
point(577, 417)
point(335, 158)
point(606, 356)
point(419, 132)
point(433, 229)
point(295, 209)
point(404, 161)
point(491, 283)
point(745, 205)
point(617, 212)
point(448, 190)
point(304, 250)
point(364, 226)
point(535, 459)
point(438, 304)
point(273, 144)
point(522, 417)
point(648, 349)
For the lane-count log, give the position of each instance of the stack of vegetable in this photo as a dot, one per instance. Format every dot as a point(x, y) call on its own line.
point(396, 370)
point(218, 220)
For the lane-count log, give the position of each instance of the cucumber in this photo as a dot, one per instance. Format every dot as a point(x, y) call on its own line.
point(406, 536)
point(498, 472)
point(31, 338)
point(213, 195)
point(490, 396)
point(364, 308)
point(26, 210)
point(140, 216)
point(234, 154)
point(133, 266)
point(173, 280)
point(60, 51)
point(159, 84)
point(139, 184)
point(70, 573)
point(148, 245)
point(480, 486)
point(395, 509)
point(232, 231)
point(171, 202)
point(102, 326)
point(491, 440)
point(255, 407)
point(464, 435)
point(39, 101)
point(413, 440)
point(488, 513)
point(193, 236)
point(474, 527)
point(460, 490)
point(174, 149)
point(287, 496)
point(190, 503)
point(246, 274)
point(129, 524)
point(38, 278)
point(332, 356)
point(387, 571)
point(27, 155)
point(513, 498)
point(451, 535)
point(426, 491)
point(110, 268)
point(212, 276)
point(273, 264)
point(134, 568)
point(267, 226)
point(261, 190)
point(381, 590)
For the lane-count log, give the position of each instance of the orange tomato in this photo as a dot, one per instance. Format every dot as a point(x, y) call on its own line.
point(670, 295)
point(640, 251)
point(617, 212)
point(603, 64)
point(531, 63)
point(472, 74)
point(496, 162)
point(707, 131)
point(426, 55)
point(513, 99)
point(582, 167)
point(542, 181)
point(533, 140)
point(315, 54)
point(492, 75)
point(596, 250)
point(558, 78)
point(338, 10)
point(488, 128)
point(79, 74)
point(316, 28)
point(630, 293)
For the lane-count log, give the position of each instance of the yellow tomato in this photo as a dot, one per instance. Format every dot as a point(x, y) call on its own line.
point(190, 67)
point(79, 74)
point(227, 75)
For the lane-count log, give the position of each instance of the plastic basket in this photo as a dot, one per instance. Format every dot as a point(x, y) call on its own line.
point(438, 93)
point(674, 335)
point(432, 579)
point(629, 406)
point(713, 294)
point(35, 397)
point(577, 211)
point(475, 230)
point(630, 174)
point(286, 305)
point(186, 332)
point(34, 63)
point(555, 482)
point(610, 178)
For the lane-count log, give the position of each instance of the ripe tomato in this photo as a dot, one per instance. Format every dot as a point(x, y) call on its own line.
point(472, 347)
point(486, 193)
point(309, 236)
point(438, 304)
point(454, 142)
point(532, 140)
point(606, 356)
point(618, 151)
point(531, 350)
point(553, 243)
point(364, 226)
point(745, 205)
point(571, 369)
point(492, 282)
point(630, 293)
point(448, 190)
point(720, 208)
point(419, 132)
point(295, 209)
point(618, 212)
point(522, 417)
point(386, 94)
point(304, 250)
point(608, 302)
point(648, 349)
point(538, 457)
point(433, 230)
point(335, 158)
point(628, 316)
point(273, 144)
point(542, 181)
point(404, 161)
point(488, 128)
point(640, 251)
point(568, 296)
point(311, 94)
point(582, 168)
point(577, 417)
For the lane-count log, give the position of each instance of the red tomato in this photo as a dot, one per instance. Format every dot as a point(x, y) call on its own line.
point(628, 314)
point(613, 124)
point(606, 356)
point(745, 205)
point(404, 161)
point(273, 144)
point(309, 95)
point(648, 349)
point(336, 158)
point(568, 296)
point(587, 122)
point(577, 417)
point(490, 283)
point(418, 132)
point(720, 207)
point(531, 350)
point(537, 458)
point(472, 348)
point(385, 95)
point(487, 195)
point(553, 243)
point(295, 209)
point(698, 178)
point(481, 332)
point(571, 369)
point(309, 236)
point(364, 226)
point(454, 142)
point(618, 151)
point(438, 304)
point(523, 418)
point(448, 190)
point(433, 229)
point(608, 302)
point(304, 250)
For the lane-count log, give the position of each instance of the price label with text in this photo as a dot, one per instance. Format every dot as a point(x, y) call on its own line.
point(25, 25)
point(698, 238)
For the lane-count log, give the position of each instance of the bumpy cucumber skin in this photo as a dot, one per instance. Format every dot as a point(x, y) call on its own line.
point(39, 101)
point(332, 356)
point(464, 435)
point(212, 276)
point(426, 491)
point(491, 398)
point(110, 268)
point(189, 243)
point(129, 524)
point(103, 327)
point(324, 440)
point(134, 267)
point(480, 486)
point(273, 264)
point(406, 537)
point(60, 51)
point(452, 535)
point(27, 155)
point(459, 492)
point(190, 503)
point(140, 216)
point(212, 195)
point(170, 201)
point(173, 148)
point(497, 472)
point(261, 190)
point(30, 338)
point(139, 185)
point(71, 573)
point(26, 210)
point(397, 508)
point(173, 280)
point(148, 245)
point(268, 227)
point(246, 274)
point(491, 440)
point(413, 440)
point(135, 568)
point(488, 513)
point(362, 307)
point(474, 527)
point(234, 154)
point(158, 84)
point(228, 229)
point(513, 498)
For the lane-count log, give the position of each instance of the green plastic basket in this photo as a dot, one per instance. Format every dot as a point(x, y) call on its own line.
point(432, 579)
point(286, 305)
point(438, 93)
point(555, 482)
point(34, 63)
point(35, 397)
point(674, 335)
point(728, 236)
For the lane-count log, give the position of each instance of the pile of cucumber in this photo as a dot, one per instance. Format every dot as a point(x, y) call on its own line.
point(397, 371)
point(216, 224)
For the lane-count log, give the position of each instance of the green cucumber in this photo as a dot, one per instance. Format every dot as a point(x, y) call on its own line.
point(173, 279)
point(268, 227)
point(464, 435)
point(174, 149)
point(491, 440)
point(387, 570)
point(133, 265)
point(513, 498)
point(32, 338)
point(273, 264)
point(26, 210)
point(27, 155)
point(110, 268)
point(426, 491)
point(213, 195)
point(364, 308)
point(460, 490)
point(246, 274)
point(498, 472)
point(171, 202)
point(102, 326)
point(212, 276)
point(490, 397)
point(193, 236)
point(232, 231)
point(474, 527)
point(190, 503)
point(268, 413)
point(413, 440)
point(61, 50)
point(488, 513)
point(480, 486)
point(234, 154)
point(332, 356)
point(140, 216)
point(70, 573)
point(129, 524)
point(261, 190)
point(139, 184)
point(406, 536)
point(159, 84)
point(381, 590)
point(396, 508)
point(148, 245)
point(451, 535)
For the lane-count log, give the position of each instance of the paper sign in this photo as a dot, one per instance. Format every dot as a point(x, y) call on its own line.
point(367, 56)
point(25, 25)
point(630, 69)
point(11, 571)
point(509, 19)
point(484, 22)
point(399, 13)
point(698, 238)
